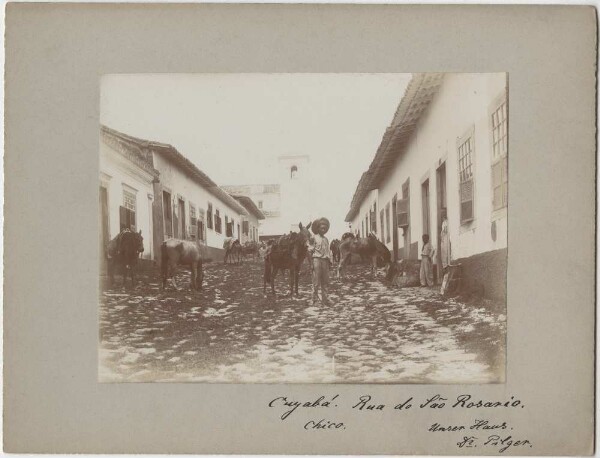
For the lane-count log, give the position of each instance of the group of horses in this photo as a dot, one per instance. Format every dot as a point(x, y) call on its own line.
point(288, 252)
point(235, 251)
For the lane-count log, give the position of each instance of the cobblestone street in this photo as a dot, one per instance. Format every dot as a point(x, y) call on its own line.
point(232, 332)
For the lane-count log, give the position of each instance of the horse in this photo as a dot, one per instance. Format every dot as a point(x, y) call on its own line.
point(368, 247)
point(176, 252)
point(334, 246)
point(250, 248)
point(287, 253)
point(123, 251)
point(233, 250)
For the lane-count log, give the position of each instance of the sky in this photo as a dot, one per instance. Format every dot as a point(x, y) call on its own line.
point(234, 126)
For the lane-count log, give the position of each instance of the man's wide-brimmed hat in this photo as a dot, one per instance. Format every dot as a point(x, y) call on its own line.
point(316, 223)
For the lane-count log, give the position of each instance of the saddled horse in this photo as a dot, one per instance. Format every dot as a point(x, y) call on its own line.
point(250, 248)
point(233, 250)
point(175, 252)
point(334, 246)
point(123, 252)
point(287, 253)
point(366, 247)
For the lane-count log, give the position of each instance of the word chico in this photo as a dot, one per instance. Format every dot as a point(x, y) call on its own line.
point(293, 405)
point(323, 424)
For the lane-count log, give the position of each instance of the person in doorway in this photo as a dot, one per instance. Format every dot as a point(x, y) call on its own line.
point(426, 262)
point(321, 259)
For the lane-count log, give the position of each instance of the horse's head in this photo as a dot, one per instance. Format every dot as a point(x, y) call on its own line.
point(132, 244)
point(305, 235)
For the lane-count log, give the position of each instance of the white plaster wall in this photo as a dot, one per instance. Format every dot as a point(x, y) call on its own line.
point(463, 102)
point(114, 174)
point(180, 184)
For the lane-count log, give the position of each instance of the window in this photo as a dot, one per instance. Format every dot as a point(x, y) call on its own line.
point(209, 216)
point(373, 218)
point(382, 226)
point(193, 222)
point(217, 222)
point(465, 173)
point(167, 214)
point(387, 223)
point(500, 156)
point(245, 227)
point(127, 211)
point(260, 204)
point(294, 172)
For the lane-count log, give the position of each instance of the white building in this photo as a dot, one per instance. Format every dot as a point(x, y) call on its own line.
point(285, 203)
point(446, 148)
point(186, 203)
point(126, 189)
point(250, 223)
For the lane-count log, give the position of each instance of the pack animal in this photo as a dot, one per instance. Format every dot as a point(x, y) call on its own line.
point(335, 249)
point(250, 248)
point(122, 253)
point(233, 251)
point(175, 252)
point(287, 253)
point(367, 247)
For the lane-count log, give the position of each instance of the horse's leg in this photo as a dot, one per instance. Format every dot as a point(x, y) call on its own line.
point(343, 259)
point(374, 266)
point(193, 274)
point(297, 280)
point(292, 276)
point(199, 275)
point(273, 273)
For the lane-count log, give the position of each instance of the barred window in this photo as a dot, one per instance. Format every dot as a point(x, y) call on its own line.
point(465, 172)
point(209, 216)
point(129, 200)
point(500, 156)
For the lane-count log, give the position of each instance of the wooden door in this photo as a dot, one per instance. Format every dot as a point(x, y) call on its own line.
point(395, 227)
point(406, 234)
point(425, 207)
point(441, 206)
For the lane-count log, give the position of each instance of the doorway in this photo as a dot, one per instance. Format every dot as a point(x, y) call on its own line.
point(181, 204)
point(425, 206)
point(441, 207)
point(395, 227)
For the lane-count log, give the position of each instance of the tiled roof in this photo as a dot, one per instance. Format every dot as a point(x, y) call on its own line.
point(419, 93)
point(133, 151)
point(249, 204)
point(171, 154)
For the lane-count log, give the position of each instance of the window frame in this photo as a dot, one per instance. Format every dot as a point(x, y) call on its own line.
point(469, 135)
point(501, 99)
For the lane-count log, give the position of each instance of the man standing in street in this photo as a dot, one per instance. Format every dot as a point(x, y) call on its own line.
point(321, 257)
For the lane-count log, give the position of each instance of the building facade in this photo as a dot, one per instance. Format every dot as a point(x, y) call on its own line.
point(185, 203)
point(250, 223)
point(126, 190)
point(445, 152)
point(285, 203)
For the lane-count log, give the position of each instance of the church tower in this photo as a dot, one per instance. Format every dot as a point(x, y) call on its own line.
point(296, 191)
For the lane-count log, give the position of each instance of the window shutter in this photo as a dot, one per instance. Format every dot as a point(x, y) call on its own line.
point(373, 218)
point(175, 224)
point(402, 212)
point(497, 185)
point(466, 201)
point(122, 217)
point(505, 181)
point(131, 218)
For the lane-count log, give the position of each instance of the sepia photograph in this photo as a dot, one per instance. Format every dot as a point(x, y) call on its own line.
point(303, 228)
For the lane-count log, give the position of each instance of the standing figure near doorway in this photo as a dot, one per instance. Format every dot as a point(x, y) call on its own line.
point(426, 262)
point(445, 242)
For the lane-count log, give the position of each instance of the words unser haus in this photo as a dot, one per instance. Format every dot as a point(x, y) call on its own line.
point(152, 187)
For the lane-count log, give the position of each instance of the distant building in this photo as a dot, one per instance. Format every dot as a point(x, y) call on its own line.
point(250, 223)
point(445, 150)
point(186, 203)
point(286, 203)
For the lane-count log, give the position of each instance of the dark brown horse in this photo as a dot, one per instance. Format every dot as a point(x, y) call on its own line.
point(335, 249)
point(287, 253)
point(176, 252)
point(123, 252)
point(250, 248)
point(367, 247)
point(233, 250)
